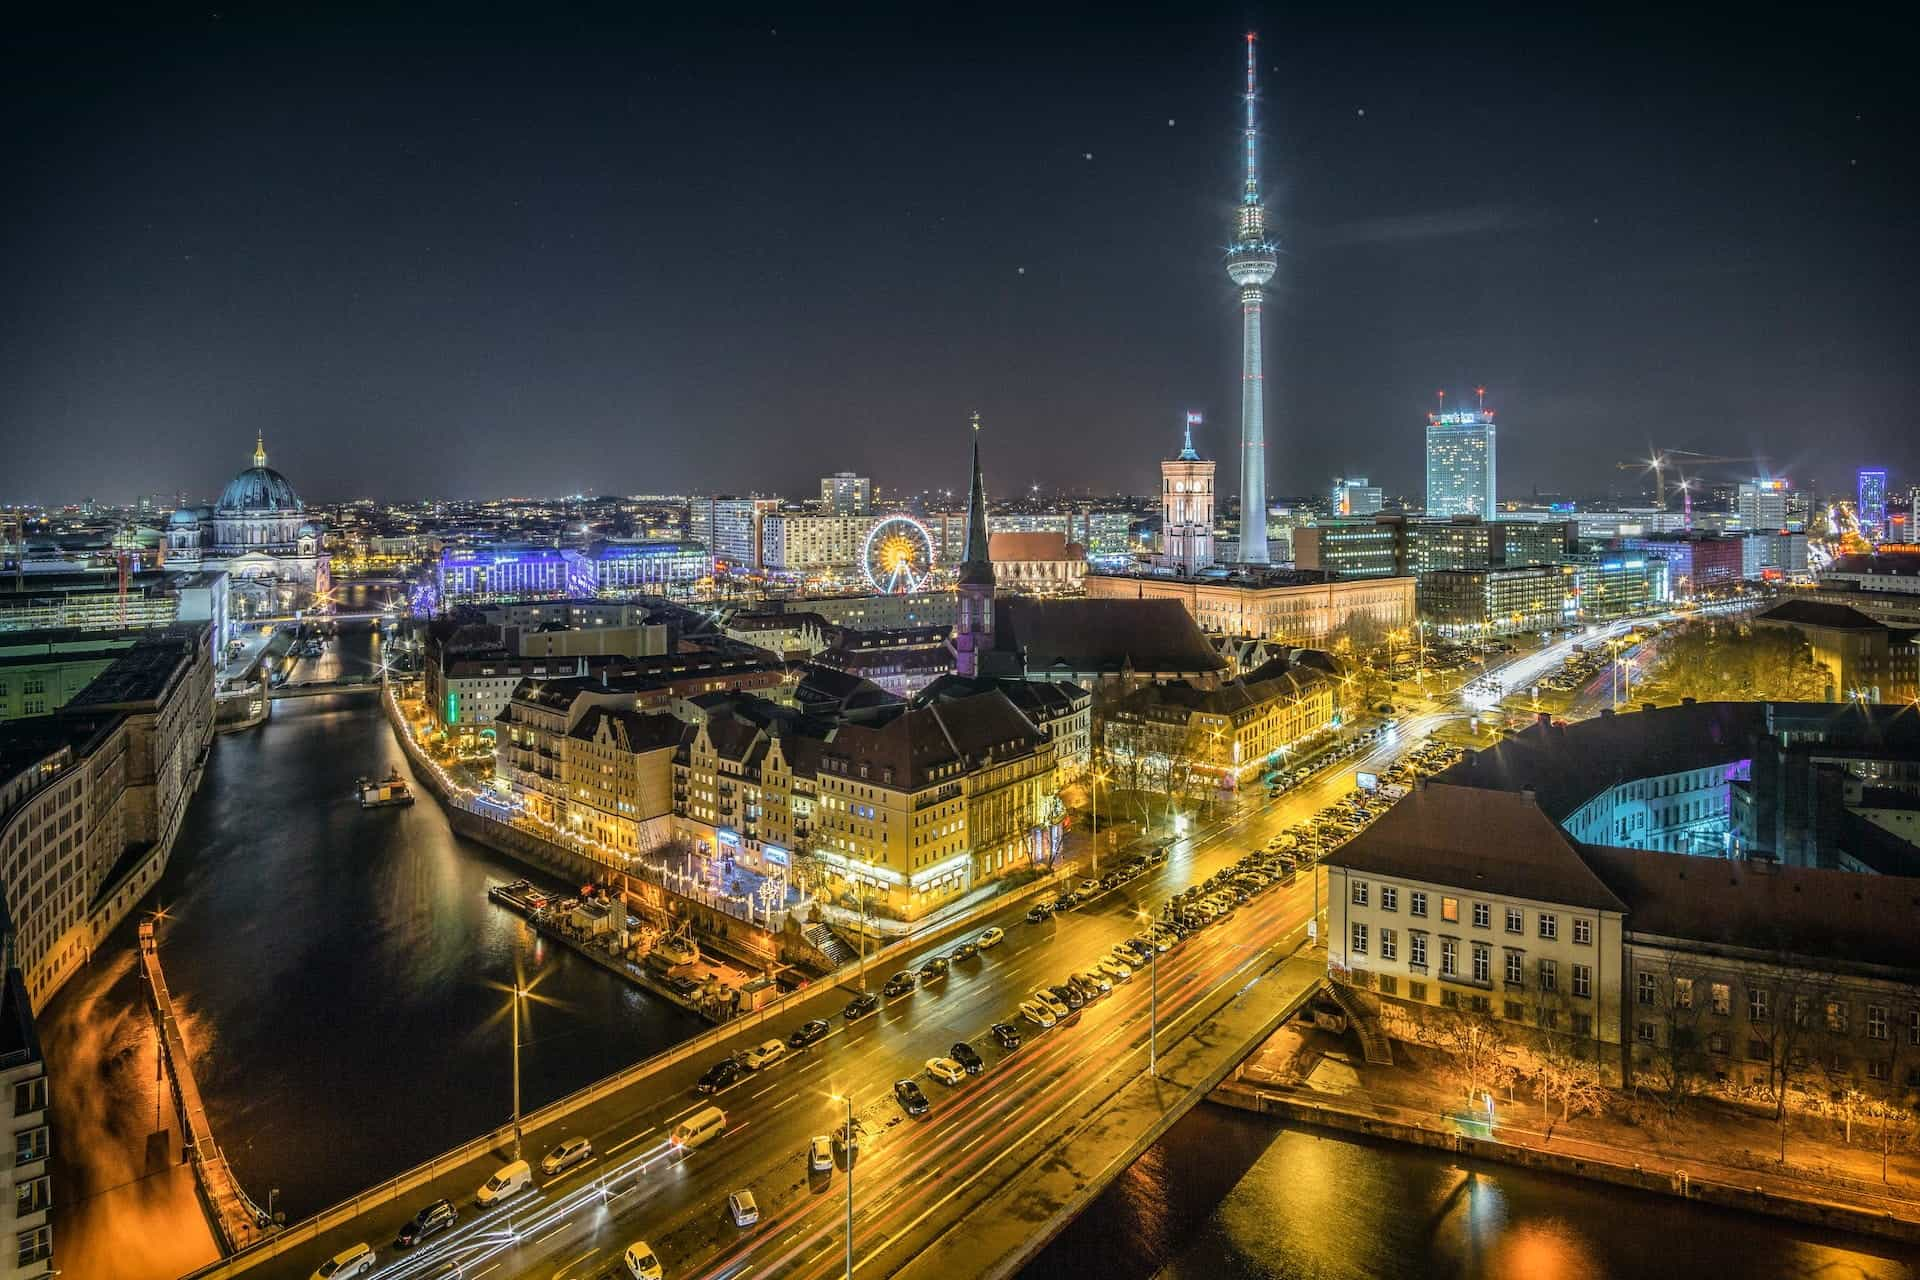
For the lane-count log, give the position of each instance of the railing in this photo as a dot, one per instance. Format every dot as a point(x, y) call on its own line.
point(309, 1230)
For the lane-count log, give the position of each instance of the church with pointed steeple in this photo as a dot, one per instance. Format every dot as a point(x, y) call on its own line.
point(973, 624)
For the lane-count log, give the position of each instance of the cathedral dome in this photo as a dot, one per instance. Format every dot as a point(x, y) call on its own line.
point(184, 516)
point(259, 488)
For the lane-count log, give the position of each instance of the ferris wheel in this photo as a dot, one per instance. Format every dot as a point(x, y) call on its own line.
point(898, 556)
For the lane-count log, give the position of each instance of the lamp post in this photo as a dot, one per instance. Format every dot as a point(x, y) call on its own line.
point(1153, 1008)
point(847, 1099)
point(1098, 778)
point(519, 993)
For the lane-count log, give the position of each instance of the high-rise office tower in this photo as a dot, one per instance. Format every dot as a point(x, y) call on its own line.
point(1251, 264)
point(1460, 462)
point(846, 494)
point(1353, 496)
point(1872, 506)
point(1762, 505)
point(1186, 508)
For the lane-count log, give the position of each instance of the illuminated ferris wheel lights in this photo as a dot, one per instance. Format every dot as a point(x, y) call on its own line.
point(898, 555)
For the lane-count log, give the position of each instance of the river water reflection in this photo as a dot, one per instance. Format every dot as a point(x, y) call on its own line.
point(1227, 1195)
point(342, 980)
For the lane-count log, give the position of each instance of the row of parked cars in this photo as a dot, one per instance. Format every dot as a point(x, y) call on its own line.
point(1091, 887)
point(1281, 782)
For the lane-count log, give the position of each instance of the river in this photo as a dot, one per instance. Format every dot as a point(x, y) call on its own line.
point(1230, 1196)
point(341, 978)
point(341, 974)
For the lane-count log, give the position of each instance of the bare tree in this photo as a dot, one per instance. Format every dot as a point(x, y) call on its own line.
point(1780, 1020)
point(1563, 1066)
point(1669, 1067)
point(1481, 1056)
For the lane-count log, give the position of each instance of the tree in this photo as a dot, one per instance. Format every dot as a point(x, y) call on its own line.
point(1562, 1069)
point(1481, 1056)
point(1780, 1012)
point(1725, 660)
point(1672, 1064)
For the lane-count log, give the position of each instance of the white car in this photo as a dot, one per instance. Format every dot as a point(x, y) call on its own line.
point(641, 1262)
point(820, 1155)
point(1098, 980)
point(742, 1209)
point(347, 1263)
point(1089, 886)
point(1053, 1003)
point(1038, 1014)
point(764, 1054)
point(946, 1071)
point(1115, 969)
point(991, 938)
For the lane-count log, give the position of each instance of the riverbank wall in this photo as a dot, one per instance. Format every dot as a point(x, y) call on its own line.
point(1751, 1198)
point(727, 935)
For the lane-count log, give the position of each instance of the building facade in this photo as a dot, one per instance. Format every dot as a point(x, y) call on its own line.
point(1871, 504)
point(1472, 603)
point(846, 494)
point(259, 535)
point(1461, 450)
point(1186, 509)
point(729, 528)
point(1297, 608)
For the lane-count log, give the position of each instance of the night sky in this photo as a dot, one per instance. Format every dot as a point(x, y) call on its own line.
point(629, 250)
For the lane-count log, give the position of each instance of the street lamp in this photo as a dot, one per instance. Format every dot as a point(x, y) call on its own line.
point(1153, 1014)
point(847, 1100)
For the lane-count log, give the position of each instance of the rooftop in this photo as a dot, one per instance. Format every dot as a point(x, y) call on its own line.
point(1488, 842)
point(1814, 613)
point(145, 672)
point(1762, 907)
point(1103, 636)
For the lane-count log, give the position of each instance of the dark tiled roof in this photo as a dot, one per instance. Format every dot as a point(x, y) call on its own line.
point(1567, 765)
point(1831, 915)
point(631, 730)
point(1813, 613)
point(1478, 841)
point(1103, 635)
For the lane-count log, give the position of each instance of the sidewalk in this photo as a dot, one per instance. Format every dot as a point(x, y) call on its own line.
point(1704, 1140)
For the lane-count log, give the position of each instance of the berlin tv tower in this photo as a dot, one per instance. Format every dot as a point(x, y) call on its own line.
point(1250, 264)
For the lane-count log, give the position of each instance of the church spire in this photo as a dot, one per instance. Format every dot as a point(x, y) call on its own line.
point(973, 623)
point(259, 449)
point(977, 563)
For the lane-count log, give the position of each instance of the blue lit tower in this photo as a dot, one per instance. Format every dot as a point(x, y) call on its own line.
point(1250, 264)
point(1871, 507)
point(973, 625)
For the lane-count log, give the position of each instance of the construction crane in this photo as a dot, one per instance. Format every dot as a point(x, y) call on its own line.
point(1662, 460)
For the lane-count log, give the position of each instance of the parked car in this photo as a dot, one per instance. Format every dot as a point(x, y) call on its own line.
point(570, 1152)
point(1068, 995)
point(352, 1261)
point(1115, 969)
point(764, 1055)
point(820, 1154)
point(899, 984)
point(430, 1221)
point(808, 1033)
point(911, 1100)
point(860, 1006)
point(1090, 885)
point(1039, 1014)
point(991, 937)
point(1006, 1035)
point(965, 951)
point(934, 969)
point(742, 1209)
point(1053, 1003)
point(946, 1070)
point(509, 1180)
point(1039, 913)
point(641, 1262)
point(967, 1056)
point(719, 1076)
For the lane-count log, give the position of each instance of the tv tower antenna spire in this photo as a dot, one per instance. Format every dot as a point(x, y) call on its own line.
point(1251, 263)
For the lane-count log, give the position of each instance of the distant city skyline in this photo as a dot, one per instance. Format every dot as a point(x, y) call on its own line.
point(343, 232)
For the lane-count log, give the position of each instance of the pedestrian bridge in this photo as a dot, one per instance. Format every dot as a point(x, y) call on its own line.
point(367, 683)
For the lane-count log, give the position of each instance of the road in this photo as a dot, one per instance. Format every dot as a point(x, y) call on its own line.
point(914, 1178)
